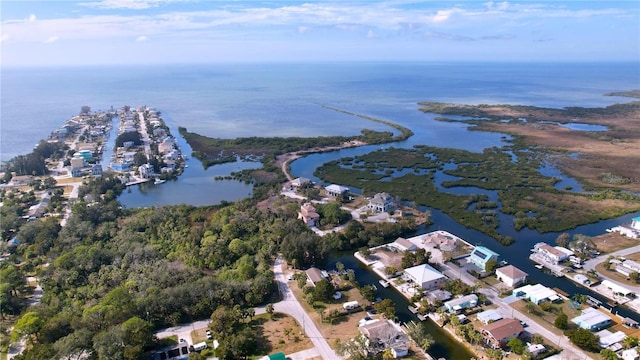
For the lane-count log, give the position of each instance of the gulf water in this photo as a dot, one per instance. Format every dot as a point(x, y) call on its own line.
point(229, 101)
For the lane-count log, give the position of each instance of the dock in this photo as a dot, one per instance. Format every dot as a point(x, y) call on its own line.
point(136, 182)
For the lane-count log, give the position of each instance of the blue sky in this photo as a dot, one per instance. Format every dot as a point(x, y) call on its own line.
point(201, 31)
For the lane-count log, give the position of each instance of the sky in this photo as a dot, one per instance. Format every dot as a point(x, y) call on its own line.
point(98, 32)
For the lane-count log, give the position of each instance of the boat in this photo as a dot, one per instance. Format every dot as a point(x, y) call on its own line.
point(539, 267)
point(159, 181)
point(384, 283)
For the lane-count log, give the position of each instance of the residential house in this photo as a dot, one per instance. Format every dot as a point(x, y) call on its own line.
point(611, 340)
point(511, 275)
point(536, 293)
point(119, 166)
point(145, 170)
point(553, 254)
point(403, 244)
point(21, 180)
point(627, 267)
point(299, 182)
point(381, 202)
point(336, 190)
point(309, 215)
point(438, 296)
point(481, 255)
point(489, 316)
point(440, 239)
point(96, 170)
point(617, 290)
point(461, 303)
point(314, 275)
point(535, 349)
point(498, 333)
point(385, 334)
point(425, 276)
point(592, 319)
point(77, 163)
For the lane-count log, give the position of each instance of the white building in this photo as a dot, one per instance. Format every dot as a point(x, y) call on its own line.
point(426, 276)
point(336, 190)
point(553, 254)
point(536, 293)
point(511, 275)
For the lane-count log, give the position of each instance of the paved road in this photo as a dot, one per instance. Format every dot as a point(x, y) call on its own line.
point(290, 306)
point(591, 265)
point(183, 331)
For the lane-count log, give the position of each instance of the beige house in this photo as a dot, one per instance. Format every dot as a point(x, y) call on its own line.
point(309, 215)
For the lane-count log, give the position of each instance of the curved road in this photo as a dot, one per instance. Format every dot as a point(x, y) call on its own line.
point(591, 265)
point(290, 306)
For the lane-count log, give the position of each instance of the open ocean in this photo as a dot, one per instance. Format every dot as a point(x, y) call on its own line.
point(229, 100)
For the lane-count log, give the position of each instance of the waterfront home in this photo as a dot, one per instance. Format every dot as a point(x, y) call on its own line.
point(553, 254)
point(536, 293)
point(489, 316)
point(403, 244)
point(308, 214)
point(511, 275)
point(21, 180)
point(436, 296)
point(336, 190)
point(592, 319)
point(96, 170)
point(381, 202)
point(611, 340)
point(498, 333)
point(617, 290)
point(314, 275)
point(440, 239)
point(385, 334)
point(119, 166)
point(461, 303)
point(425, 276)
point(299, 182)
point(145, 170)
point(481, 255)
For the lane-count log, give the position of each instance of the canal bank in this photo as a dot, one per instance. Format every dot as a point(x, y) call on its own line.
point(445, 345)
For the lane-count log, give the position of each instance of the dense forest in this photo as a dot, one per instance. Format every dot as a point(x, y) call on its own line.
point(112, 276)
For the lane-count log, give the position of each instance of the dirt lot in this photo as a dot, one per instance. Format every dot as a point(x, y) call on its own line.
point(284, 334)
point(610, 242)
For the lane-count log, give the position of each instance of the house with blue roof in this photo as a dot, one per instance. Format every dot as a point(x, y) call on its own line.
point(481, 255)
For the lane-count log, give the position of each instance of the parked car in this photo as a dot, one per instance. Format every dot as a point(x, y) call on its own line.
point(209, 334)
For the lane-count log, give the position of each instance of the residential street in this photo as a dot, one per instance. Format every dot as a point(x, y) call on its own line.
point(290, 306)
point(569, 352)
point(591, 265)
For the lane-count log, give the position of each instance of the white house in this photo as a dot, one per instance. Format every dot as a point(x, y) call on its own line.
point(403, 244)
point(336, 190)
point(553, 254)
point(536, 293)
point(511, 275)
point(381, 202)
point(426, 276)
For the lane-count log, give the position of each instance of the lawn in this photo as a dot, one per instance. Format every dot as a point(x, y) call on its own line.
point(610, 242)
point(547, 318)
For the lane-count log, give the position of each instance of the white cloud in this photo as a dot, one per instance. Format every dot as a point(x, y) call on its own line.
point(303, 29)
point(122, 4)
point(142, 38)
point(371, 35)
point(32, 18)
point(4, 37)
point(52, 39)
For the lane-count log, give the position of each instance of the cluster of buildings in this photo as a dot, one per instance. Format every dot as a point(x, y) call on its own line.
point(632, 230)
